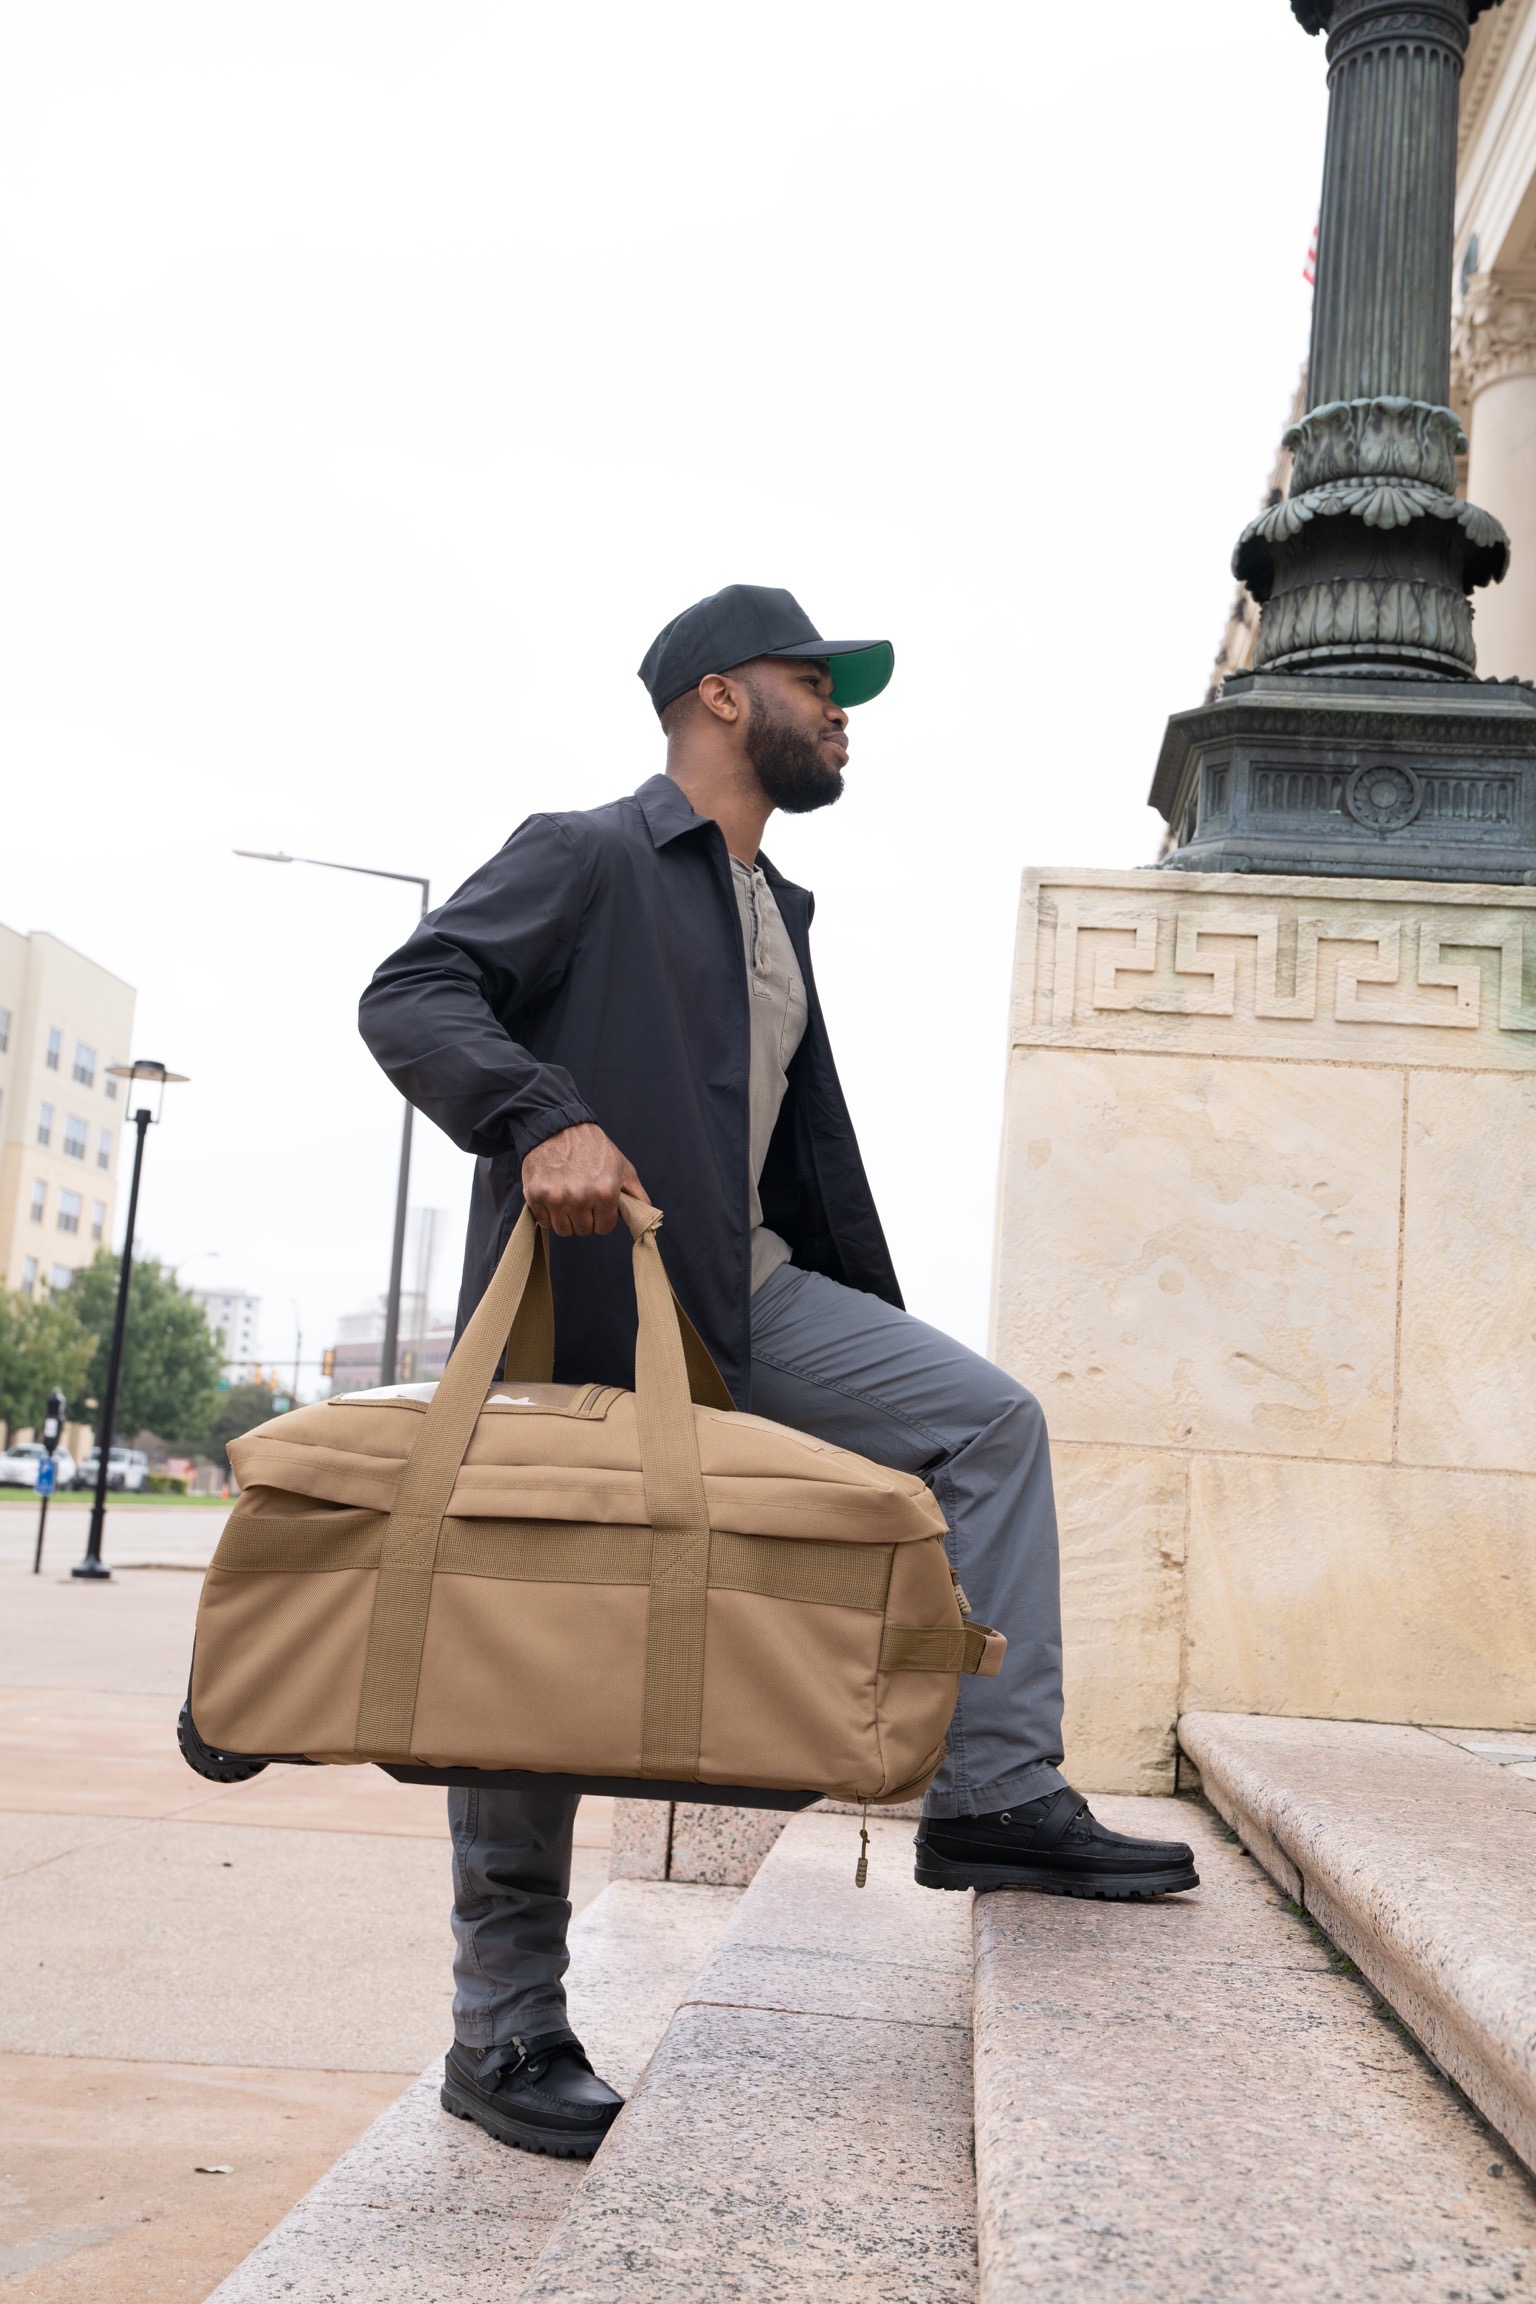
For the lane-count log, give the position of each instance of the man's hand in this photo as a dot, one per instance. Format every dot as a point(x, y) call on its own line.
point(572, 1182)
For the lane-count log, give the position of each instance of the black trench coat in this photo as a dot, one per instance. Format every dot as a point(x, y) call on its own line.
point(593, 970)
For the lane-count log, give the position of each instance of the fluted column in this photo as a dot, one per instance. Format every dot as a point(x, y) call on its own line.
point(1360, 742)
point(1494, 374)
point(1381, 312)
point(1368, 565)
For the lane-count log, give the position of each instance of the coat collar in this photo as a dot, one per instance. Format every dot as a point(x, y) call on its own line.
point(667, 810)
point(669, 814)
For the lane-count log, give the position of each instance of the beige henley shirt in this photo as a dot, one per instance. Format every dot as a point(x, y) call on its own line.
point(777, 1014)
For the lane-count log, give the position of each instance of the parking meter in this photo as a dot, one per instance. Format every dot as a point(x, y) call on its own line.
point(53, 1433)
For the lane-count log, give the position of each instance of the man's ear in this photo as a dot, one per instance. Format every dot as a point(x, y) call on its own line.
point(723, 696)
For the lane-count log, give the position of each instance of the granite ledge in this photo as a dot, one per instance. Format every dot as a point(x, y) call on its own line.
point(1416, 1858)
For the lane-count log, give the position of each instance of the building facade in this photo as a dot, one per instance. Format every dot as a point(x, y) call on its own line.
point(63, 1020)
point(234, 1318)
point(1494, 372)
point(354, 1363)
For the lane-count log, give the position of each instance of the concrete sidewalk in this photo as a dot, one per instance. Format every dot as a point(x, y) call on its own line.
point(197, 1975)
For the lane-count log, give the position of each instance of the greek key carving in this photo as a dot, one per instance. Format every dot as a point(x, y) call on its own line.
point(1386, 971)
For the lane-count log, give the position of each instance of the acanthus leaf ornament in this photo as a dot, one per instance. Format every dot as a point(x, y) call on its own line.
point(1494, 334)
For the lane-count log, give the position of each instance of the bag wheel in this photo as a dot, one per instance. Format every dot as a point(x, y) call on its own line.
point(218, 1767)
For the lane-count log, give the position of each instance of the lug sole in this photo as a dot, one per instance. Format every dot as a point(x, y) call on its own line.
point(1109, 1887)
point(523, 2134)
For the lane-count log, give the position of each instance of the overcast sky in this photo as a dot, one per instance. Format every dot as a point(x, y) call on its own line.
point(380, 377)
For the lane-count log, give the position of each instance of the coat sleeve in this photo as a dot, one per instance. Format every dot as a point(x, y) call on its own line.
point(432, 1014)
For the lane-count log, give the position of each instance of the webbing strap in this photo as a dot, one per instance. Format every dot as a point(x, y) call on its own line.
point(530, 1355)
point(672, 1368)
point(403, 1593)
point(974, 1648)
point(679, 1516)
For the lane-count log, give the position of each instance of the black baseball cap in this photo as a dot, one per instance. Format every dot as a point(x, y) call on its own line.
point(747, 620)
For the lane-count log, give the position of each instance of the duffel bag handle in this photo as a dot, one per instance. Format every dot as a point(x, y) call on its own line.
point(672, 1368)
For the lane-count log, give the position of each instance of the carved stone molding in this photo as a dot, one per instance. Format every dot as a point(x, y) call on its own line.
point(1281, 967)
point(1494, 337)
point(1485, 61)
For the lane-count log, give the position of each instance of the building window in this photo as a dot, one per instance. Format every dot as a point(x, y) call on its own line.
point(104, 1149)
point(45, 1125)
point(39, 1200)
point(69, 1211)
point(5, 1030)
point(111, 1087)
point(60, 1277)
point(55, 1043)
point(85, 1065)
point(28, 1274)
point(98, 1218)
point(76, 1137)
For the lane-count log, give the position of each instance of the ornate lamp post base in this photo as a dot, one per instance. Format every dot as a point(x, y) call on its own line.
point(1363, 743)
point(1369, 776)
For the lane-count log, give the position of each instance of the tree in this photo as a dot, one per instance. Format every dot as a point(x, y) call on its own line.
point(170, 1375)
point(240, 1409)
point(41, 1345)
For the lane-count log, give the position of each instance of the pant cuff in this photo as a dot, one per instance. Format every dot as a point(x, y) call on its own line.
point(1031, 1783)
point(483, 2033)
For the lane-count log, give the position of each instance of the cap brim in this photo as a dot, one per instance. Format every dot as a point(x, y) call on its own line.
point(860, 668)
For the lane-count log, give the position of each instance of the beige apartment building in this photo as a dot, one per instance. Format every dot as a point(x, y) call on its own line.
point(63, 1020)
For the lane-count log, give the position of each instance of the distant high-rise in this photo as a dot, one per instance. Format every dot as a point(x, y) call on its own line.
point(234, 1317)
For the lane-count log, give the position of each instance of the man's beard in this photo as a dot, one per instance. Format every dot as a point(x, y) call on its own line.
point(790, 766)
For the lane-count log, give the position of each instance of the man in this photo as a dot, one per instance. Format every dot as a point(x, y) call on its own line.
point(626, 993)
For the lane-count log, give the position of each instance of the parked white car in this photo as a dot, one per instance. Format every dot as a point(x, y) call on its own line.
point(18, 1465)
point(127, 1468)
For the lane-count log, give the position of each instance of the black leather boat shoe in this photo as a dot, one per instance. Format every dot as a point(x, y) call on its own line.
point(1053, 1843)
point(538, 2092)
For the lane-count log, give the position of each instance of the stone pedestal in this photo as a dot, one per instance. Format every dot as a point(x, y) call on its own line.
point(1267, 1255)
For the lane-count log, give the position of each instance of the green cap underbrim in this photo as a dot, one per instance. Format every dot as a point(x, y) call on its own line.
point(859, 668)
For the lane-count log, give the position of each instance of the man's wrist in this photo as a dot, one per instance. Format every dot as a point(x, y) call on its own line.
point(531, 1135)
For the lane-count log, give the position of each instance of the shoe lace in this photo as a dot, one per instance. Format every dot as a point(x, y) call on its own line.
point(532, 2055)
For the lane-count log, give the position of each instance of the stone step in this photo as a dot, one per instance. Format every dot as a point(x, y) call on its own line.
point(723, 1847)
point(1196, 2102)
point(804, 2130)
point(1417, 1853)
point(426, 2209)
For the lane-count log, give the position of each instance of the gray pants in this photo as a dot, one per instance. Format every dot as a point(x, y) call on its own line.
point(848, 1368)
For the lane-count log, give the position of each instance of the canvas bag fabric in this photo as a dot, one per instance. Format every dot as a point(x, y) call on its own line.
point(515, 1574)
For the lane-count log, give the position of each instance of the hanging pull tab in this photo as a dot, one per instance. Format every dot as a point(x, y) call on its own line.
point(861, 1869)
point(961, 1601)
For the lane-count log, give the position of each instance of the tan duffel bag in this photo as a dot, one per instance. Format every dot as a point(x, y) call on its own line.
point(645, 1591)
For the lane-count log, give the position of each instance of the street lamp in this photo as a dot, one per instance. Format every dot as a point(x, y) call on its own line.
point(146, 1104)
point(391, 1348)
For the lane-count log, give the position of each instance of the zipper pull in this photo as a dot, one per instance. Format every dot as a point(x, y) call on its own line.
point(861, 1869)
point(960, 1598)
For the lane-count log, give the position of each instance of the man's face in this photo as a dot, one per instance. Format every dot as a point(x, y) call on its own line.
point(797, 738)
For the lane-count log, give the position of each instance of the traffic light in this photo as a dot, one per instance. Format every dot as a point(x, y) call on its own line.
point(328, 1362)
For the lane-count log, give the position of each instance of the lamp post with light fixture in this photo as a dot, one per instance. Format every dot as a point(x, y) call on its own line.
point(1360, 741)
point(391, 1346)
point(144, 1116)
